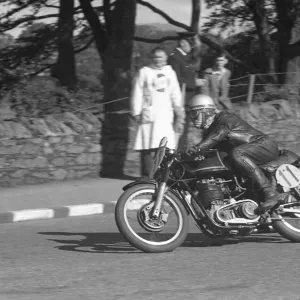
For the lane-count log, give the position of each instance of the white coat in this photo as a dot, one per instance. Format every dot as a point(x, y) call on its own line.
point(159, 88)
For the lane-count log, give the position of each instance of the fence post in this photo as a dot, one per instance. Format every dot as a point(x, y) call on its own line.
point(250, 88)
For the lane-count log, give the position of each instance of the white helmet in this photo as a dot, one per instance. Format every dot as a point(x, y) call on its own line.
point(201, 101)
point(202, 111)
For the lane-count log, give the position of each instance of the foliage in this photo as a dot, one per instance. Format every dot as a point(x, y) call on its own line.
point(155, 31)
point(271, 92)
point(43, 95)
point(234, 15)
point(32, 50)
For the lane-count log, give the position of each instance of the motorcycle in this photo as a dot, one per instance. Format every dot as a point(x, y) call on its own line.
point(222, 203)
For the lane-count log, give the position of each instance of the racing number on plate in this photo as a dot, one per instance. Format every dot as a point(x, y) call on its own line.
point(288, 176)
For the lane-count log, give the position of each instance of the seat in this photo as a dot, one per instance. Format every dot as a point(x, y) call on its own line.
point(285, 157)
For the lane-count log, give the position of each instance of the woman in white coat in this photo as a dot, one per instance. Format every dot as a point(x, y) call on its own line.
point(157, 107)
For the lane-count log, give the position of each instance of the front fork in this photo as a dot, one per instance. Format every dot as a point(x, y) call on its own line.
point(162, 188)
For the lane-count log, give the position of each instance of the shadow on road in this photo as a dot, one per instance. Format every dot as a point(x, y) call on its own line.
point(113, 242)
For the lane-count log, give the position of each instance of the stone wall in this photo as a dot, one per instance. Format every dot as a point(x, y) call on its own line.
point(67, 146)
point(55, 148)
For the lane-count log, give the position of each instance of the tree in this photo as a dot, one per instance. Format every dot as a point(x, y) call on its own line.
point(260, 18)
point(64, 69)
point(251, 15)
point(267, 19)
point(288, 13)
point(55, 36)
point(113, 34)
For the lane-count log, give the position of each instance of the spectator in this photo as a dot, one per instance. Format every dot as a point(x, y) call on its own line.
point(217, 83)
point(181, 60)
point(156, 99)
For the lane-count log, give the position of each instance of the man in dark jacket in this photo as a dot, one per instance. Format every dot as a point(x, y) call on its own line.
point(181, 60)
point(246, 146)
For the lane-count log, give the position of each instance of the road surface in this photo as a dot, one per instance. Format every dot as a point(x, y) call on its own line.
point(86, 258)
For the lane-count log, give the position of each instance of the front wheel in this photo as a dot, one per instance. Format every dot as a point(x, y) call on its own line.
point(134, 219)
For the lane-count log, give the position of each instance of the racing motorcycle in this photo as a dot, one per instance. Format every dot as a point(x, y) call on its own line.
point(153, 214)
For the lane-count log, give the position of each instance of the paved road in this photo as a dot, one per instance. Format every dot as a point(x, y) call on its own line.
point(86, 258)
point(60, 193)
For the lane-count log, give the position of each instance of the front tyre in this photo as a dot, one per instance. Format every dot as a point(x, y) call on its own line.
point(134, 221)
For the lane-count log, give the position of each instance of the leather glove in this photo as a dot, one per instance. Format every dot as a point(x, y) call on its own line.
point(189, 151)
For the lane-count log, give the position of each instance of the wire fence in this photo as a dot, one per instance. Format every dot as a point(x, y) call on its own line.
point(238, 91)
point(250, 88)
point(243, 89)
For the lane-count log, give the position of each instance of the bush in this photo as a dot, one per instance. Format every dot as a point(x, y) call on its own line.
point(42, 96)
point(271, 92)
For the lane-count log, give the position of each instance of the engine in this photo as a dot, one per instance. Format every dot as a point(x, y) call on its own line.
point(215, 195)
point(211, 192)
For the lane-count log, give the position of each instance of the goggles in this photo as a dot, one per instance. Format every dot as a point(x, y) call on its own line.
point(194, 114)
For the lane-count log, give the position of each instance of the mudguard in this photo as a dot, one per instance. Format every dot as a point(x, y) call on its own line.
point(137, 182)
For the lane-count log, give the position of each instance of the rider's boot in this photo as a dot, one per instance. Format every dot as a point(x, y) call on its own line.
point(271, 198)
point(249, 168)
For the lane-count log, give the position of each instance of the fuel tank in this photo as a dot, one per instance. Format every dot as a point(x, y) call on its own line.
point(214, 164)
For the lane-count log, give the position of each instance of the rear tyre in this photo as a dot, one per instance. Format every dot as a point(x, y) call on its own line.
point(285, 229)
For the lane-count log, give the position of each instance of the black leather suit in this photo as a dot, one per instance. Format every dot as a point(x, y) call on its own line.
point(246, 146)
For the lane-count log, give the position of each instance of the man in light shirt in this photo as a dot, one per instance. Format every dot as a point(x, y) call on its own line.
point(217, 83)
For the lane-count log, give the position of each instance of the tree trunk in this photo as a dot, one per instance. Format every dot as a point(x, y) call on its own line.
point(117, 85)
point(285, 25)
point(292, 78)
point(195, 20)
point(65, 68)
point(262, 27)
point(114, 42)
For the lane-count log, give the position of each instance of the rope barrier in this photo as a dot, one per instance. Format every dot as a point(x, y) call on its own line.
point(264, 74)
point(99, 104)
point(289, 84)
point(261, 84)
point(234, 79)
point(239, 96)
point(280, 73)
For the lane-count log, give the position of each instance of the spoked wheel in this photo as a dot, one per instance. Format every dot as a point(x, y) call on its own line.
point(286, 220)
point(133, 215)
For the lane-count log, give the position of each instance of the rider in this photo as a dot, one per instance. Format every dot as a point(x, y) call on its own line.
point(246, 146)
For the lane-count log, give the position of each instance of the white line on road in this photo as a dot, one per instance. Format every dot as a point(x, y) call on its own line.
point(32, 214)
point(85, 209)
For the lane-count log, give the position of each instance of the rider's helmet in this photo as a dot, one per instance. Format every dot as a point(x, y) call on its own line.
point(201, 110)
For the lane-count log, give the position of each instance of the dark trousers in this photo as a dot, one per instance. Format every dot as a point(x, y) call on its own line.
point(247, 157)
point(147, 162)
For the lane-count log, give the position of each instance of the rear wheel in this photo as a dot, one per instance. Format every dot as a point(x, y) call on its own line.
point(286, 221)
point(134, 220)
